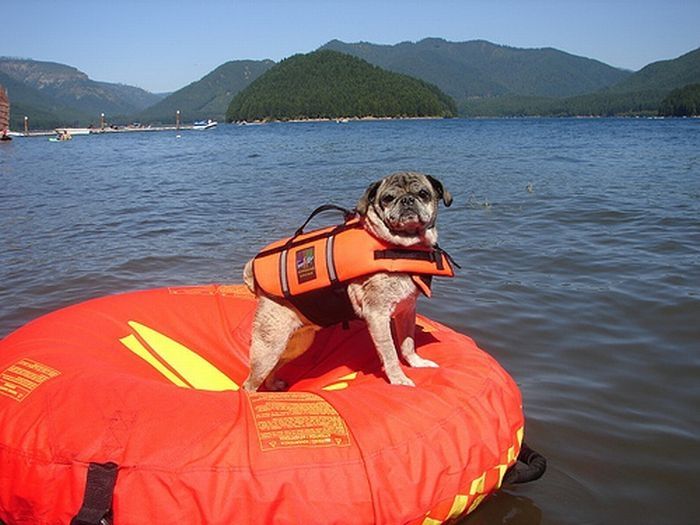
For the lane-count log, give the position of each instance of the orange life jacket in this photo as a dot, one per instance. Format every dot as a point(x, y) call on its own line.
point(312, 270)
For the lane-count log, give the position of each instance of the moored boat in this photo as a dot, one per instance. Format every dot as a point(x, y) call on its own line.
point(205, 124)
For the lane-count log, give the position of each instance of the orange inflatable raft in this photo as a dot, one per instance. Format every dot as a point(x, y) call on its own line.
point(127, 408)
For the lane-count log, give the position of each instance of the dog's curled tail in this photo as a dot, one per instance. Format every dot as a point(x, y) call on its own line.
point(248, 277)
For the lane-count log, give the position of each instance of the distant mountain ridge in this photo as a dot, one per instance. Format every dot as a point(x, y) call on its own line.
point(208, 97)
point(640, 93)
point(485, 79)
point(60, 92)
point(477, 68)
point(43, 112)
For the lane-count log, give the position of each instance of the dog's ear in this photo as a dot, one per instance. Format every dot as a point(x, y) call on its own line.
point(443, 194)
point(367, 198)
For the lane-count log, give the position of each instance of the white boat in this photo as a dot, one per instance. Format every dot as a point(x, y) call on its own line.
point(74, 131)
point(204, 124)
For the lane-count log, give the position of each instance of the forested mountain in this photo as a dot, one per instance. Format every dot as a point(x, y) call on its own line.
point(43, 112)
point(72, 88)
point(491, 80)
point(49, 92)
point(208, 97)
point(664, 75)
point(641, 93)
point(596, 104)
point(480, 69)
point(683, 102)
point(328, 84)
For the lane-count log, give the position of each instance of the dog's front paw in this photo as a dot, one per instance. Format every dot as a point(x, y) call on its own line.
point(417, 361)
point(251, 385)
point(400, 379)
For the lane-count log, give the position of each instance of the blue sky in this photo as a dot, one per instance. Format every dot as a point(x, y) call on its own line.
point(163, 45)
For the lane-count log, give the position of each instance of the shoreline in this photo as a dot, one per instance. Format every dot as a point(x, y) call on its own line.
point(339, 120)
point(344, 120)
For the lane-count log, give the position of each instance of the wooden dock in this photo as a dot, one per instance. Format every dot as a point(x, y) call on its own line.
point(98, 131)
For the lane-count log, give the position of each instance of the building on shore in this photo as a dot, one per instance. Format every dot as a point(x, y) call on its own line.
point(4, 114)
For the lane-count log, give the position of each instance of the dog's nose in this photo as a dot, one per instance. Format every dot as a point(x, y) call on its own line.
point(408, 200)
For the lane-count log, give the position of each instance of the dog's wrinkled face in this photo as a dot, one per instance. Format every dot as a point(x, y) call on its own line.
point(402, 208)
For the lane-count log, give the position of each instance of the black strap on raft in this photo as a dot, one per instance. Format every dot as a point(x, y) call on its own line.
point(535, 465)
point(97, 501)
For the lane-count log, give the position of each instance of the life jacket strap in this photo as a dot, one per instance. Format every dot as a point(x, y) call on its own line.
point(447, 256)
point(432, 256)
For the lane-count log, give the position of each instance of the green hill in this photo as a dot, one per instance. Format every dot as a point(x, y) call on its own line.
point(663, 76)
point(43, 112)
point(208, 97)
point(328, 84)
point(683, 102)
point(480, 69)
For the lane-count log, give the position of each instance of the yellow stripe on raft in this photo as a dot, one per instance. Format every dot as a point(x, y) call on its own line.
point(342, 382)
point(336, 386)
point(466, 503)
point(136, 347)
point(196, 370)
point(458, 506)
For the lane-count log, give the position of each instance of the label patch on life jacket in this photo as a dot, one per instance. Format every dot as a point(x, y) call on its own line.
point(305, 264)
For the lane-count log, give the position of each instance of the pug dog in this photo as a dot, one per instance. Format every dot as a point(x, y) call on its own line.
point(400, 209)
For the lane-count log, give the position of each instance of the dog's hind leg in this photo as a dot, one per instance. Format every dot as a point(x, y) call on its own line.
point(272, 327)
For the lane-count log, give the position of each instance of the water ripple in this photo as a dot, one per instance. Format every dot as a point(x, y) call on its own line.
point(579, 241)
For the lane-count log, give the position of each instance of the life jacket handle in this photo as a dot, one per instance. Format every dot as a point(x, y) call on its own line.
point(347, 215)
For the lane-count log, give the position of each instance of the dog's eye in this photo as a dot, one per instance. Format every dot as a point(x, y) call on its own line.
point(424, 195)
point(387, 199)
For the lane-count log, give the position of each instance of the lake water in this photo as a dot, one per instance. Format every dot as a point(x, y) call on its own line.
point(585, 285)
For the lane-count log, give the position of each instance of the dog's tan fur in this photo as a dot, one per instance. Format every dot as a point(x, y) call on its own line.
point(400, 209)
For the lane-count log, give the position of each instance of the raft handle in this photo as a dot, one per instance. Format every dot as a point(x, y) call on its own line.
point(535, 465)
point(97, 501)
